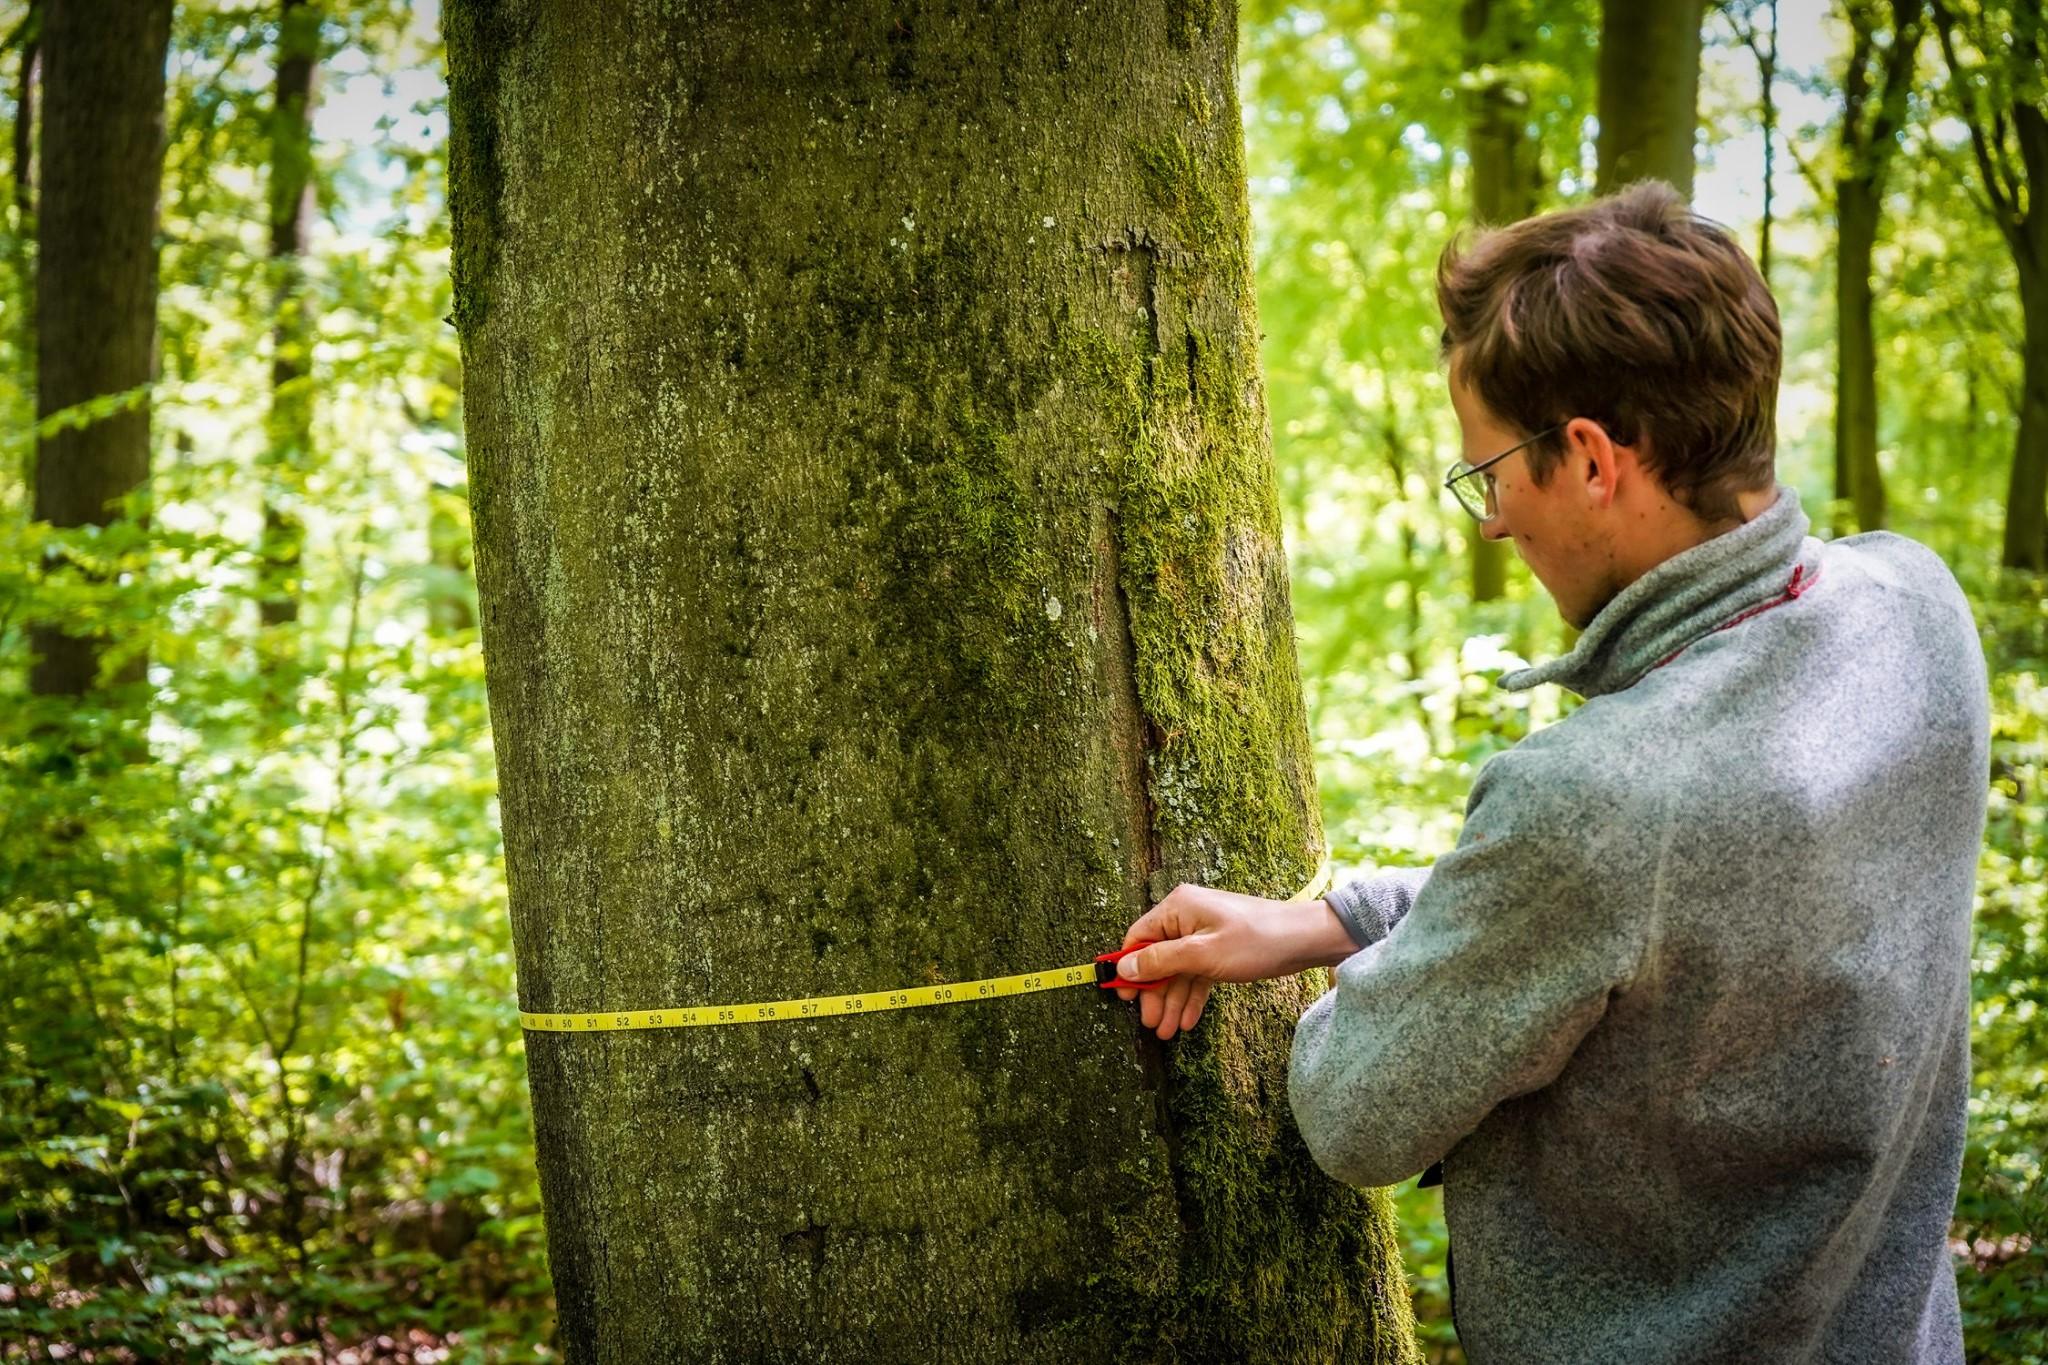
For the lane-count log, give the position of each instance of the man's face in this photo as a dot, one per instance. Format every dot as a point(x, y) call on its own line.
point(1556, 526)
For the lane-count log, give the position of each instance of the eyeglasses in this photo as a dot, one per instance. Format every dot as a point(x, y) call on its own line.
point(1477, 498)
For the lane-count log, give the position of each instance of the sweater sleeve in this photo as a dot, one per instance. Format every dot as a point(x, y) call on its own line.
point(1370, 907)
point(1507, 954)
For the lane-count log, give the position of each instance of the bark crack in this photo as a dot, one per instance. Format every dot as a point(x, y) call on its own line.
point(1135, 736)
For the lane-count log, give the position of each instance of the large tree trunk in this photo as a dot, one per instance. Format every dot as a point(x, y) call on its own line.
point(290, 424)
point(1649, 92)
point(882, 583)
point(1505, 181)
point(101, 164)
point(1859, 482)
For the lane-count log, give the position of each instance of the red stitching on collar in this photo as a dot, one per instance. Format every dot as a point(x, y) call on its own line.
point(1801, 581)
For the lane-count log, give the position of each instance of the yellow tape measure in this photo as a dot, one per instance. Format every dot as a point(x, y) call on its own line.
point(828, 1006)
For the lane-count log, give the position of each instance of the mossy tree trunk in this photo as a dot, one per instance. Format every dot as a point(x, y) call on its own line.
point(1649, 92)
point(1506, 179)
point(881, 583)
point(102, 143)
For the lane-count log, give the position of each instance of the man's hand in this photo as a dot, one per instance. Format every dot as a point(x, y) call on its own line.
point(1207, 935)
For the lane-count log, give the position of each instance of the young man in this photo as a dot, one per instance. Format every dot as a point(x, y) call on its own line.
point(1684, 1018)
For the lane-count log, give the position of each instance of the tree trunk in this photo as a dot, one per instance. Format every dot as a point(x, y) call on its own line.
point(290, 425)
point(2026, 499)
point(1649, 92)
point(101, 164)
point(1859, 482)
point(882, 584)
point(1505, 181)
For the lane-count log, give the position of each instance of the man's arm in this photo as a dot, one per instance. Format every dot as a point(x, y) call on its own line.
point(1505, 961)
point(1370, 907)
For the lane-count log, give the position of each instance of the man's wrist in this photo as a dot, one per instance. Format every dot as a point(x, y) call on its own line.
point(1319, 937)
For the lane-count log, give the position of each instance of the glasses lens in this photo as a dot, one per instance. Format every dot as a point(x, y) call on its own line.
point(1470, 496)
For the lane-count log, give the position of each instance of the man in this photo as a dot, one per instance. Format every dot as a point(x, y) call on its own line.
point(1683, 1018)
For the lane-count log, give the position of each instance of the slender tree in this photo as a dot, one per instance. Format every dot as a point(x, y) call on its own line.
point(101, 162)
point(1875, 87)
point(1506, 175)
point(2000, 96)
point(881, 583)
point(1649, 92)
point(290, 425)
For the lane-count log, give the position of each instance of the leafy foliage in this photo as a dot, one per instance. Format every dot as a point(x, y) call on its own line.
point(261, 1083)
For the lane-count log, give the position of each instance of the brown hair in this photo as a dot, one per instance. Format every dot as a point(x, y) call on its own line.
point(1636, 312)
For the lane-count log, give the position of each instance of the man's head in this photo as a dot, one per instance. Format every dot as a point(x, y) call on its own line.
point(1645, 336)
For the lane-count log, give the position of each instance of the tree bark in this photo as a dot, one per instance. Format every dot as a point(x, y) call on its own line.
point(1505, 184)
point(290, 423)
point(101, 163)
point(1649, 92)
point(882, 583)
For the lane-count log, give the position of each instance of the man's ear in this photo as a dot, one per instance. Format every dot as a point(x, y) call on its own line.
point(1594, 460)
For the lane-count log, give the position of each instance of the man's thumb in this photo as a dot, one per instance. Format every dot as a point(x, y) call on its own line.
point(1149, 964)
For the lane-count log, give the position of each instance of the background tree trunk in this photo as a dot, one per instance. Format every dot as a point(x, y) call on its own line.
point(2026, 500)
point(2008, 53)
point(291, 393)
point(1767, 119)
point(881, 583)
point(1859, 482)
point(1649, 92)
point(1875, 87)
point(101, 163)
point(1505, 184)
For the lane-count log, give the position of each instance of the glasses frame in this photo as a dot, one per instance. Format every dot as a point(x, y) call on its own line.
point(1461, 471)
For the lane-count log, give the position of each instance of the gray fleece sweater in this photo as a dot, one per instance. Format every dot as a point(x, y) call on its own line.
point(1685, 1014)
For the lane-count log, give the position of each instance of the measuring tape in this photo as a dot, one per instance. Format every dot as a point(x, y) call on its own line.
point(1102, 972)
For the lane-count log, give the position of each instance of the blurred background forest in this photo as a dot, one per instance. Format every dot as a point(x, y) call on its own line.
point(261, 1082)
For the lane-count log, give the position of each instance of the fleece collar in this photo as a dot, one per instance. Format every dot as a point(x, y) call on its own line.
point(1758, 564)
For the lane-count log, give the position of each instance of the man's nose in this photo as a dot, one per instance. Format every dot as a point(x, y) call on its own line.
point(1494, 527)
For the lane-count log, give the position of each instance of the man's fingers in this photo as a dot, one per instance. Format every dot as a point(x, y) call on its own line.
point(1197, 997)
point(1175, 1001)
point(1161, 921)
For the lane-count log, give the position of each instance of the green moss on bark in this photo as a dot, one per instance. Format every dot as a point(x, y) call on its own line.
point(480, 35)
point(1175, 181)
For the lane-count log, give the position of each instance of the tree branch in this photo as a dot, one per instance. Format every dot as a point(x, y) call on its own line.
point(1995, 187)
